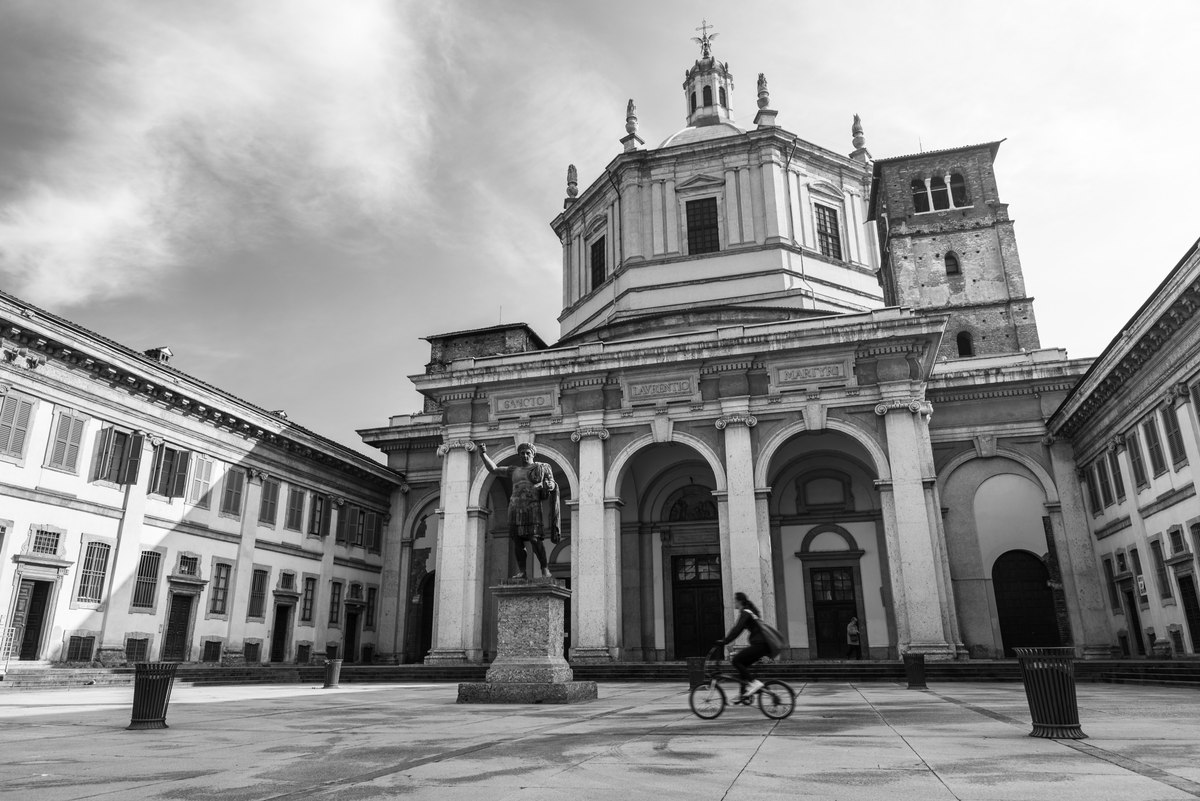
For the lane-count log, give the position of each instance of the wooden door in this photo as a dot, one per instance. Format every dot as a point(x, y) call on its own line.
point(280, 631)
point(1191, 609)
point(1024, 602)
point(351, 637)
point(834, 602)
point(698, 611)
point(29, 617)
point(179, 619)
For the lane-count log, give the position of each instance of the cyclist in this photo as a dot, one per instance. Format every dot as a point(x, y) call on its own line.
point(748, 616)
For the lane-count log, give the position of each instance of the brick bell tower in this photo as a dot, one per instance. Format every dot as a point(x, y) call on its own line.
point(948, 246)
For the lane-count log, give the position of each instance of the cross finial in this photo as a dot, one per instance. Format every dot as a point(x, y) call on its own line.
point(704, 40)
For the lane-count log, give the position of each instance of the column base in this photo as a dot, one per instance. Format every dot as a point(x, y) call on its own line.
point(561, 692)
point(446, 656)
point(111, 656)
point(586, 656)
point(933, 652)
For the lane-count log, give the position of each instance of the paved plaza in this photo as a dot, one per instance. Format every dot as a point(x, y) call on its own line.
point(638, 741)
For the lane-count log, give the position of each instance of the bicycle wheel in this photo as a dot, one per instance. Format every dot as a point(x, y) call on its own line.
point(776, 699)
point(708, 700)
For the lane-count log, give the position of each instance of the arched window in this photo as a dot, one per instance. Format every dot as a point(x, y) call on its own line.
point(958, 191)
point(693, 101)
point(941, 195)
point(920, 196)
point(965, 346)
point(724, 101)
point(708, 96)
point(952, 266)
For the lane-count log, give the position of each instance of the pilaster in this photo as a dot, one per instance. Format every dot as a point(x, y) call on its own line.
point(394, 589)
point(749, 554)
point(126, 558)
point(592, 564)
point(243, 570)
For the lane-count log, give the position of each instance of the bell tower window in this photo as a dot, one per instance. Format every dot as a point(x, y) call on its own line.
point(703, 235)
point(958, 191)
point(965, 346)
point(598, 266)
point(724, 100)
point(829, 235)
point(693, 101)
point(708, 96)
point(920, 196)
point(952, 266)
point(940, 193)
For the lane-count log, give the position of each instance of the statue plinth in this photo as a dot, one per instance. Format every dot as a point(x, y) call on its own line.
point(529, 667)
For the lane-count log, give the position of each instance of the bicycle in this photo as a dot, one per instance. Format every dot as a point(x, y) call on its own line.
point(776, 699)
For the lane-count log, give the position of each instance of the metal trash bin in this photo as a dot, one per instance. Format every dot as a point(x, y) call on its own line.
point(152, 682)
point(914, 671)
point(333, 673)
point(1049, 678)
point(695, 671)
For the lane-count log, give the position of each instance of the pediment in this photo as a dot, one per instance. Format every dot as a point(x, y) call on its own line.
point(825, 187)
point(701, 182)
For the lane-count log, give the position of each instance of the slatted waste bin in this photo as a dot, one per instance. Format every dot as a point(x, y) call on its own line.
point(1049, 678)
point(333, 673)
point(152, 682)
point(914, 671)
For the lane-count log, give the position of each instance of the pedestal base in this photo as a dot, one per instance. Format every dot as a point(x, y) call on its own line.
point(518, 692)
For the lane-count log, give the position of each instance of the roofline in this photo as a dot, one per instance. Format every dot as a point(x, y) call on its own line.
point(500, 327)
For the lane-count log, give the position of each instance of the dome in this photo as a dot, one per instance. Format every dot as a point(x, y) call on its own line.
point(701, 133)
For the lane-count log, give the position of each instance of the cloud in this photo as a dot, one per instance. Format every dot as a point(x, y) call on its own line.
point(163, 133)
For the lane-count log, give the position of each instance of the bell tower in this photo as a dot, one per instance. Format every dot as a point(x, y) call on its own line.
point(948, 246)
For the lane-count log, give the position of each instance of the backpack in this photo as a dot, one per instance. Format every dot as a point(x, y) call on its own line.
point(775, 641)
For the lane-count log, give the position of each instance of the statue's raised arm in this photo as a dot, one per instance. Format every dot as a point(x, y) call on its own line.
point(533, 509)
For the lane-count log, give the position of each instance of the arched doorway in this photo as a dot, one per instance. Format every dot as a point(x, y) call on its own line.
point(1024, 602)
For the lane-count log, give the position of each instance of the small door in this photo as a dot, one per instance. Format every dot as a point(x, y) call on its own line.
point(1191, 609)
point(834, 602)
point(29, 617)
point(351, 637)
point(698, 612)
point(281, 632)
point(1024, 602)
point(1135, 621)
point(179, 619)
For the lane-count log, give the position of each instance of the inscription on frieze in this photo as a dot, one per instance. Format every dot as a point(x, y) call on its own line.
point(522, 404)
point(660, 390)
point(819, 374)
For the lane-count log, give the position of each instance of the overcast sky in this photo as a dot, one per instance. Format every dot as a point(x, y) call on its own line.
point(289, 193)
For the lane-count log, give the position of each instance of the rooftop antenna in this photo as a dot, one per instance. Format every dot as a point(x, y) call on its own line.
point(500, 318)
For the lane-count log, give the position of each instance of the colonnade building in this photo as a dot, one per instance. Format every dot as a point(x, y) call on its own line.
point(811, 377)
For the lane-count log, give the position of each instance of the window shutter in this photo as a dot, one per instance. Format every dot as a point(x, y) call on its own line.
point(133, 460)
point(104, 452)
point(156, 467)
point(8, 414)
point(343, 515)
point(14, 424)
point(73, 442)
point(179, 480)
point(62, 436)
point(325, 520)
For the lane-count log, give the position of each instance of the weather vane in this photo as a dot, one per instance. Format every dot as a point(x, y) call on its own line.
point(704, 40)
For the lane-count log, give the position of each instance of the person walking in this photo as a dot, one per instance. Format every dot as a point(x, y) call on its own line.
point(853, 641)
point(748, 616)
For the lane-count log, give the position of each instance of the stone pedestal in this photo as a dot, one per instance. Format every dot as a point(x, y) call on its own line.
point(529, 666)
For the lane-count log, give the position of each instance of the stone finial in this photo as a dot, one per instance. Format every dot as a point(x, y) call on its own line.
point(631, 140)
point(859, 141)
point(764, 97)
point(765, 118)
point(572, 182)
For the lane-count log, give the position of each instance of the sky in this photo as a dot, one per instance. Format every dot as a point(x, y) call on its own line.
point(290, 193)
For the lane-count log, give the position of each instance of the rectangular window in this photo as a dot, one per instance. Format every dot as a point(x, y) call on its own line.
point(702, 227)
point(168, 476)
point(599, 268)
point(68, 434)
point(252, 652)
point(287, 581)
point(1178, 546)
point(189, 565)
point(1089, 479)
point(219, 597)
point(373, 525)
point(369, 615)
point(15, 413)
point(358, 525)
point(335, 603)
point(344, 523)
point(201, 487)
point(310, 596)
point(45, 541)
point(1136, 464)
point(137, 650)
point(1158, 463)
point(1160, 570)
point(317, 517)
point(1174, 436)
point(1106, 493)
point(231, 496)
point(829, 233)
point(258, 594)
point(79, 649)
point(303, 654)
point(91, 577)
point(268, 509)
point(1118, 480)
point(211, 652)
point(119, 456)
point(1114, 594)
point(145, 588)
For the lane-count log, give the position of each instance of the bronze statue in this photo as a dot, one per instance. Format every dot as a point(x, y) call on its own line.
point(533, 512)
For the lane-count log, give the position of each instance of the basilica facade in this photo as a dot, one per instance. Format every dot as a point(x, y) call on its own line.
point(811, 377)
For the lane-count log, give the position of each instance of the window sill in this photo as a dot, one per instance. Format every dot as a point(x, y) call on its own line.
point(1165, 602)
point(230, 516)
point(216, 616)
point(19, 461)
point(69, 471)
point(104, 482)
point(1177, 466)
point(143, 610)
point(943, 211)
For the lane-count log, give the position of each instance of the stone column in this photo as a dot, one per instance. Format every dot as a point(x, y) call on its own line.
point(457, 557)
point(913, 551)
point(1077, 562)
point(646, 594)
point(612, 576)
point(393, 590)
point(591, 560)
point(749, 565)
point(127, 556)
point(243, 570)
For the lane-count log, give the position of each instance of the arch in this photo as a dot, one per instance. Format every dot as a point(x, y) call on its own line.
point(723, 97)
point(615, 475)
point(708, 99)
point(481, 485)
point(693, 102)
point(1043, 477)
point(828, 188)
point(415, 508)
point(965, 343)
point(858, 433)
point(953, 266)
point(920, 195)
point(829, 528)
point(1025, 610)
point(958, 191)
